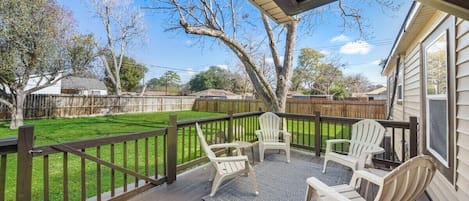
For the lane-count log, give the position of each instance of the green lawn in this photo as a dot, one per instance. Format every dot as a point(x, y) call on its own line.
point(52, 131)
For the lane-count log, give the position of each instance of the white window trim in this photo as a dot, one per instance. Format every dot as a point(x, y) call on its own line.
point(437, 155)
point(444, 161)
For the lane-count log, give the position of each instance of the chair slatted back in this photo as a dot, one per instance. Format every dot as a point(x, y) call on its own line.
point(408, 181)
point(365, 134)
point(203, 143)
point(270, 126)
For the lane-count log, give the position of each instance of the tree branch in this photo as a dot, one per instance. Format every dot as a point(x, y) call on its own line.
point(272, 43)
point(6, 102)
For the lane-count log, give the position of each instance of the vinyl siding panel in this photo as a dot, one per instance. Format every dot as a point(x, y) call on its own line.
point(462, 109)
point(412, 83)
point(463, 69)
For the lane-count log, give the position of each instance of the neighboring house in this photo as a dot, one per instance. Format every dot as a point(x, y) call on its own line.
point(216, 94)
point(53, 89)
point(160, 93)
point(428, 77)
point(83, 86)
point(377, 94)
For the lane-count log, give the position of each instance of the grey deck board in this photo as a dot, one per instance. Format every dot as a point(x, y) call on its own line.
point(194, 185)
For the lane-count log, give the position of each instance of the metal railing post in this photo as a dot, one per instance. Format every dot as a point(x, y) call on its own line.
point(413, 137)
point(24, 163)
point(171, 153)
point(317, 133)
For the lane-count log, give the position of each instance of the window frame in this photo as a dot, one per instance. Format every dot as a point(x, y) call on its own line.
point(447, 25)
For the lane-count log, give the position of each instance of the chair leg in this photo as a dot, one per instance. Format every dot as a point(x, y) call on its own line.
point(309, 193)
point(216, 183)
point(254, 180)
point(325, 164)
point(287, 151)
point(212, 172)
point(261, 154)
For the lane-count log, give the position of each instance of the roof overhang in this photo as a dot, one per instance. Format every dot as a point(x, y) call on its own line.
point(415, 20)
point(458, 8)
point(282, 11)
point(294, 7)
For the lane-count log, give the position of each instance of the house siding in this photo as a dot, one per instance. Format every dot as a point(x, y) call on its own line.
point(462, 109)
point(440, 188)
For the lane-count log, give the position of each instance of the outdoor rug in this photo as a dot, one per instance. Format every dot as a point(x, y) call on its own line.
point(279, 181)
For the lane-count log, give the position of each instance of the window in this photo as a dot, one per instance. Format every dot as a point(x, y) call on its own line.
point(95, 92)
point(399, 94)
point(438, 90)
point(436, 64)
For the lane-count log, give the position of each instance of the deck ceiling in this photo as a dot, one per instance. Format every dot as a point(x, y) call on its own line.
point(459, 8)
point(282, 11)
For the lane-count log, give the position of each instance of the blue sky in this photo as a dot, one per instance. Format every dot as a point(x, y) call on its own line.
point(176, 50)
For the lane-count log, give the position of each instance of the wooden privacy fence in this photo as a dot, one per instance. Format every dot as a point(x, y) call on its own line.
point(53, 106)
point(354, 109)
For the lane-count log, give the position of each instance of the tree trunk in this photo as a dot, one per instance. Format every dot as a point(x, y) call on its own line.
point(17, 111)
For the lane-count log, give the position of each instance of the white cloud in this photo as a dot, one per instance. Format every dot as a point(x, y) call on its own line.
point(223, 66)
point(325, 52)
point(190, 71)
point(357, 47)
point(375, 62)
point(340, 38)
point(189, 42)
point(270, 60)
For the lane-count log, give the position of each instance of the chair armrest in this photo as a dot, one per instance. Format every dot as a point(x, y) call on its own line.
point(224, 145)
point(375, 150)
point(325, 189)
point(365, 158)
point(230, 159)
point(361, 174)
point(329, 143)
point(259, 134)
point(286, 133)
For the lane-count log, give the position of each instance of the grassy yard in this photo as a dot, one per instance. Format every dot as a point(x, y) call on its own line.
point(52, 131)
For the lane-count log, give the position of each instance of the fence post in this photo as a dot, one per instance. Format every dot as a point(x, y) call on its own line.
point(171, 152)
point(24, 163)
point(230, 126)
point(230, 131)
point(413, 137)
point(317, 132)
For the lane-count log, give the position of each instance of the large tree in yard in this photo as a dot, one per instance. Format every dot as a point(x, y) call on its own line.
point(230, 21)
point(124, 26)
point(130, 74)
point(38, 47)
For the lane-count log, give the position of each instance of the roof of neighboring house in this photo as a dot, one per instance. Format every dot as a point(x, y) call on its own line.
point(213, 92)
point(377, 91)
point(82, 83)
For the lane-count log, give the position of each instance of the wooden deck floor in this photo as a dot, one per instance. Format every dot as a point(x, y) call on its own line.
point(194, 185)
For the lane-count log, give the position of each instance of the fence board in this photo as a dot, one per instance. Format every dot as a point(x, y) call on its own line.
point(53, 106)
point(356, 109)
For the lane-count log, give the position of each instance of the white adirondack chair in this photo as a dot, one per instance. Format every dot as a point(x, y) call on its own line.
point(269, 135)
point(405, 183)
point(227, 166)
point(366, 137)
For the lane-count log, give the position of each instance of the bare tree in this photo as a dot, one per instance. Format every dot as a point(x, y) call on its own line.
point(124, 25)
point(223, 21)
point(37, 49)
